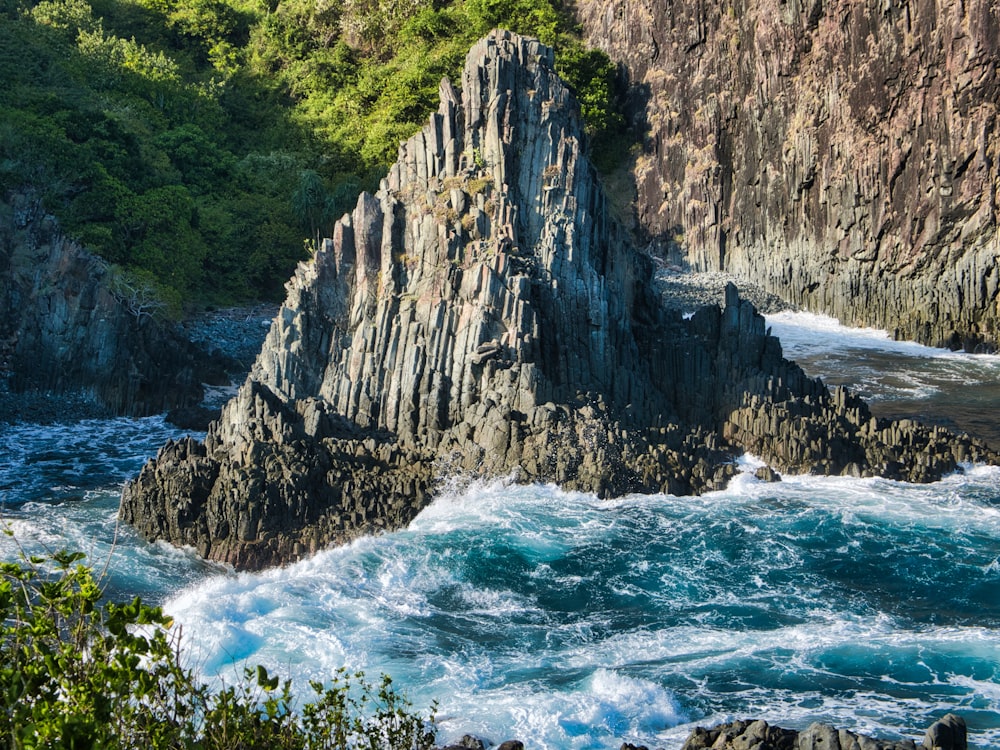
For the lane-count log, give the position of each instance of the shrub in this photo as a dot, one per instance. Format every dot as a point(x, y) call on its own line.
point(75, 673)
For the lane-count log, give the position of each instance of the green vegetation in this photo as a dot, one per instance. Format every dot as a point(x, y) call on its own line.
point(78, 674)
point(198, 143)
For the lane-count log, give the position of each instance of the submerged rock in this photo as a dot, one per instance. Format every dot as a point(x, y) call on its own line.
point(484, 314)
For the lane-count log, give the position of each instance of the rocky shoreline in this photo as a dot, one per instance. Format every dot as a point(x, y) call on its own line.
point(41, 407)
point(230, 338)
point(948, 733)
point(74, 327)
point(232, 335)
point(689, 291)
point(484, 314)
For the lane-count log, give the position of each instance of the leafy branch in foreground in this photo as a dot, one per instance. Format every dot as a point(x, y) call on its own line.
point(75, 673)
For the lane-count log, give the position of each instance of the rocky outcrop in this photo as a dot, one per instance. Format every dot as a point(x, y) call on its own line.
point(842, 154)
point(483, 314)
point(67, 327)
point(947, 734)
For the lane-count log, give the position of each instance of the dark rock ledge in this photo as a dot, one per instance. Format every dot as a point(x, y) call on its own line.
point(484, 314)
point(949, 733)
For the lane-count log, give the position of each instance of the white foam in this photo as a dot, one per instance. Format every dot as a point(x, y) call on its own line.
point(369, 606)
point(693, 609)
point(603, 708)
point(868, 360)
point(808, 331)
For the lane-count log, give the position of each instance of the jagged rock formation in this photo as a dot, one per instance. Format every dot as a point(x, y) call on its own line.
point(947, 734)
point(483, 314)
point(842, 154)
point(65, 327)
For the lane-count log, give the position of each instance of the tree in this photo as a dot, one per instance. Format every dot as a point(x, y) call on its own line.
point(540, 19)
point(150, 127)
point(371, 25)
point(68, 16)
point(311, 204)
point(137, 293)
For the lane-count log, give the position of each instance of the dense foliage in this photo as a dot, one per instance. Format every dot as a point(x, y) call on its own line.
point(78, 674)
point(202, 144)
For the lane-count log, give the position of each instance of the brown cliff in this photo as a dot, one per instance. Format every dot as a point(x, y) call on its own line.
point(483, 314)
point(843, 154)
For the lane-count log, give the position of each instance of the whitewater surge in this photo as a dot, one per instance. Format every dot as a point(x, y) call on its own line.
point(899, 379)
point(573, 623)
point(570, 622)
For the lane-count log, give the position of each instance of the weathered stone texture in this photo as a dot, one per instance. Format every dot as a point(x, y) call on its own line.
point(483, 314)
point(947, 734)
point(843, 154)
point(64, 329)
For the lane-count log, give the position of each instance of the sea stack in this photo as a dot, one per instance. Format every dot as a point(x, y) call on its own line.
point(484, 314)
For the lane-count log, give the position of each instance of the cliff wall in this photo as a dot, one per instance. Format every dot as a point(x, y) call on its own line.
point(67, 328)
point(843, 154)
point(483, 314)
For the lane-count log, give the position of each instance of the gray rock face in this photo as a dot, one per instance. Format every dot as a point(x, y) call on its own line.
point(842, 154)
point(483, 314)
point(947, 734)
point(65, 327)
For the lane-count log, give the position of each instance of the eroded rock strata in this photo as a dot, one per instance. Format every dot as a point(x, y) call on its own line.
point(67, 325)
point(483, 314)
point(842, 154)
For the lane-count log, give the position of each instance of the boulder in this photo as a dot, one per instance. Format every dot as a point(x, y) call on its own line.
point(949, 733)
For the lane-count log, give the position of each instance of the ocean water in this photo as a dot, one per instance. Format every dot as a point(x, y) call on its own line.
point(898, 378)
point(569, 622)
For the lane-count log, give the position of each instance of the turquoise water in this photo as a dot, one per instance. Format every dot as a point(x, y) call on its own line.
point(568, 622)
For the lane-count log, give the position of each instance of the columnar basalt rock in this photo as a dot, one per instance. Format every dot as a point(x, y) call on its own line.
point(483, 314)
point(842, 154)
point(67, 327)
